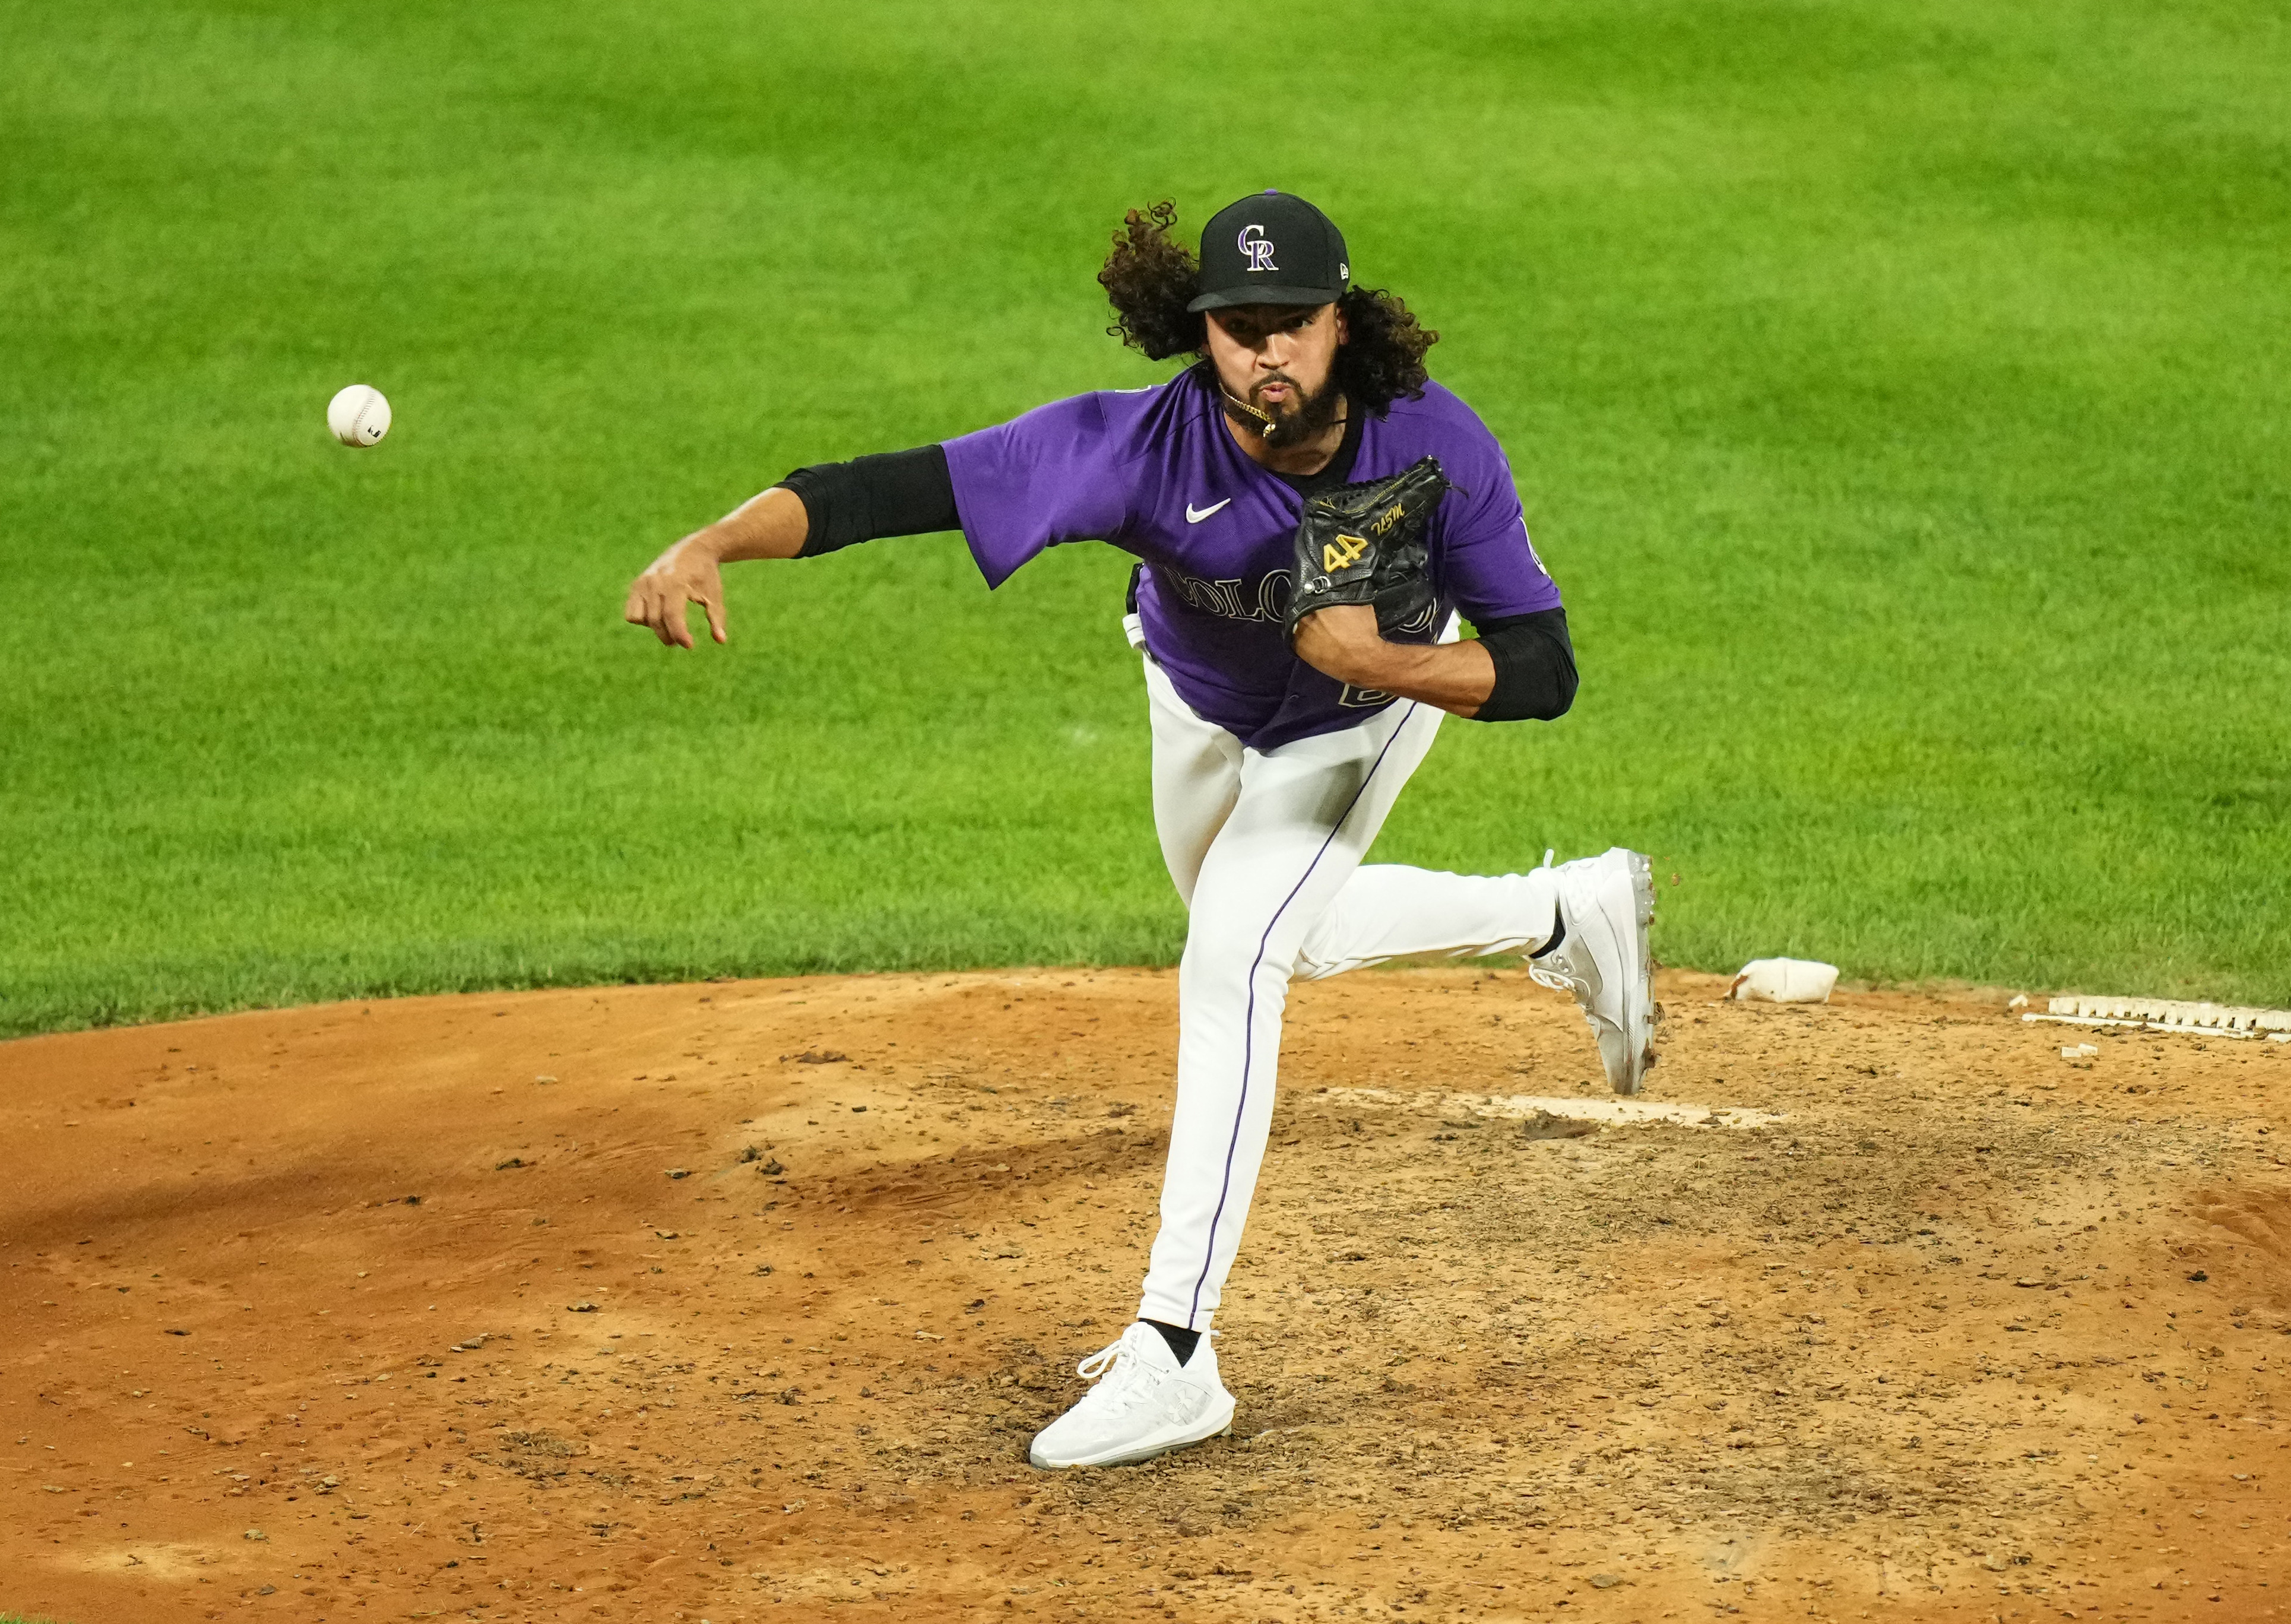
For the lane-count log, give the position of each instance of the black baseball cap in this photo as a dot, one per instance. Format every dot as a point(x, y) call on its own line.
point(1270, 248)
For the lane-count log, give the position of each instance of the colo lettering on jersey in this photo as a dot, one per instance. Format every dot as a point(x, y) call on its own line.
point(1264, 598)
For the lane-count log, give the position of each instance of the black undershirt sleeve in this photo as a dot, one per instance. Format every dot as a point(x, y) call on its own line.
point(894, 493)
point(1535, 667)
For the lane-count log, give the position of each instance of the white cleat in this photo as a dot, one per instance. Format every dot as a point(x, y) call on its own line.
point(1144, 1405)
point(1607, 904)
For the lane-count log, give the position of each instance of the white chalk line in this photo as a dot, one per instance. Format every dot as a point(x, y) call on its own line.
point(1616, 1112)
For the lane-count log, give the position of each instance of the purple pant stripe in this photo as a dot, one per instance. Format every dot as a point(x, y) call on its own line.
point(1249, 1019)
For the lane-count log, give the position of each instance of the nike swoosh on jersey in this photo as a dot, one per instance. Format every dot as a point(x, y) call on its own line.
point(1194, 515)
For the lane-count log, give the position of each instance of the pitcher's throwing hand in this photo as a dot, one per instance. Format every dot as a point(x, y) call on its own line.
point(770, 525)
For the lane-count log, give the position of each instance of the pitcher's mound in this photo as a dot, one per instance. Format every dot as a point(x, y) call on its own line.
point(742, 1301)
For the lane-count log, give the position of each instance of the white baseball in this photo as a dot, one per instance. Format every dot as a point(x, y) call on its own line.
point(358, 416)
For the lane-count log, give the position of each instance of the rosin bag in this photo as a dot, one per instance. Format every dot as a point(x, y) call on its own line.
point(1784, 981)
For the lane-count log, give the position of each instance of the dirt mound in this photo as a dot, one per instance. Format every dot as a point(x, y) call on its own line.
point(739, 1301)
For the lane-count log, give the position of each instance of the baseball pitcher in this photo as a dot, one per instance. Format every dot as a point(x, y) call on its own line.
point(1311, 516)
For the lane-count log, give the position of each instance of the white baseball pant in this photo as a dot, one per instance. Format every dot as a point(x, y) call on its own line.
point(1266, 848)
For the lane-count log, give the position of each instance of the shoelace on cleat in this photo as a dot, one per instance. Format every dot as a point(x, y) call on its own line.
point(1554, 979)
point(1095, 1366)
point(1118, 1372)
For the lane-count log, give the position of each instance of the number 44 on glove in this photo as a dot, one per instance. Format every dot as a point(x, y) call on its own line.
point(1365, 543)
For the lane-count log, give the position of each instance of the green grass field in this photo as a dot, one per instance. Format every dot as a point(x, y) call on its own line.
point(1898, 392)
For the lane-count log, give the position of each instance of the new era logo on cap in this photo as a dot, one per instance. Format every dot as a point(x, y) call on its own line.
point(1270, 248)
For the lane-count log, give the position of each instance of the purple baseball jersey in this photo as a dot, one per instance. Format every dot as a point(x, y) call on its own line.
point(1156, 473)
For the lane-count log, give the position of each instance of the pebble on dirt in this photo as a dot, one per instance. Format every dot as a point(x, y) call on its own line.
point(1543, 1125)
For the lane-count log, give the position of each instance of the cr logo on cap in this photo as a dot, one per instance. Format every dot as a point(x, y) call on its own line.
point(1257, 248)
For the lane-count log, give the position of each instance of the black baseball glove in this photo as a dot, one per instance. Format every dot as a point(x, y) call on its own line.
point(1365, 543)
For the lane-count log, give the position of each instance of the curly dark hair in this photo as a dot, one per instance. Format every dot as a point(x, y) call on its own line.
point(1150, 277)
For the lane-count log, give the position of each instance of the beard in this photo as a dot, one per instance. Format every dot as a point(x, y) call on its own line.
point(1302, 418)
